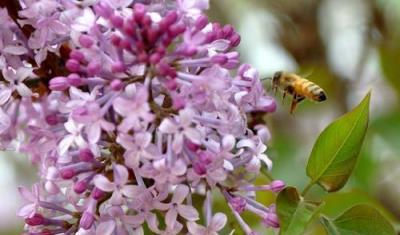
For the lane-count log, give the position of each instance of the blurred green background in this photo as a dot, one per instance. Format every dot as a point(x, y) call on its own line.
point(348, 47)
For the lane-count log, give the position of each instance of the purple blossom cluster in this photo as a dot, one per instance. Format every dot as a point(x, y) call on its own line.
point(130, 109)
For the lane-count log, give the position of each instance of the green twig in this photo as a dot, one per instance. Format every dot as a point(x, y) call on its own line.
point(309, 185)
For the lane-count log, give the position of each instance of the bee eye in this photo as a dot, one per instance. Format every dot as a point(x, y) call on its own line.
point(321, 96)
point(277, 75)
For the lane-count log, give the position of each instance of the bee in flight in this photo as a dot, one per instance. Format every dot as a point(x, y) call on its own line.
point(300, 88)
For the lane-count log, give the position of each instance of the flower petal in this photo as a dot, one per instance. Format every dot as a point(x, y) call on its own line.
point(218, 222)
point(196, 229)
point(134, 220)
point(64, 144)
point(181, 191)
point(5, 94)
point(121, 174)
point(167, 126)
point(152, 222)
point(246, 143)
point(188, 212)
point(15, 50)
point(170, 218)
point(103, 183)
point(27, 210)
point(93, 132)
point(106, 228)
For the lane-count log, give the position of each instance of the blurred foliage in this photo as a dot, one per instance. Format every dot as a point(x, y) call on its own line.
point(296, 27)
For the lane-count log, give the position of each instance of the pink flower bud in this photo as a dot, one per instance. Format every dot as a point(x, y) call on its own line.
point(93, 68)
point(74, 79)
point(97, 194)
point(228, 30)
point(52, 119)
point(86, 155)
point(201, 22)
point(59, 84)
point(139, 11)
point(234, 40)
point(277, 185)
point(118, 67)
point(117, 21)
point(116, 40)
point(87, 220)
point(80, 186)
point(67, 173)
point(85, 41)
point(176, 29)
point(35, 220)
point(77, 55)
point(271, 220)
point(116, 85)
point(103, 9)
point(73, 65)
point(200, 168)
point(219, 59)
point(169, 19)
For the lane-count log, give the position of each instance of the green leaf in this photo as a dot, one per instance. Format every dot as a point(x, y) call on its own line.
point(335, 152)
point(359, 220)
point(336, 203)
point(293, 212)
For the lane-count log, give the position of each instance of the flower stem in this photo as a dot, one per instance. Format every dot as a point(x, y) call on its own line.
point(309, 185)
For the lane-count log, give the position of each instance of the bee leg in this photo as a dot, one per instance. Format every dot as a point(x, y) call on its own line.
point(283, 97)
point(293, 105)
point(296, 99)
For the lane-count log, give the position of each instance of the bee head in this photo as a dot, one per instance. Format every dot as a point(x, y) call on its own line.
point(276, 77)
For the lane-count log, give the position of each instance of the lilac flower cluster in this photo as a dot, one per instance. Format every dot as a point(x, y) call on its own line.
point(150, 107)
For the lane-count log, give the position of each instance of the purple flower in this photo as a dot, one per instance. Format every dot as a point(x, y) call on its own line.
point(134, 108)
point(74, 136)
point(182, 127)
point(129, 109)
point(115, 221)
point(119, 187)
point(176, 207)
point(217, 223)
point(15, 80)
point(31, 196)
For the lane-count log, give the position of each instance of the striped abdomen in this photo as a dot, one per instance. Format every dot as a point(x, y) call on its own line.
point(309, 89)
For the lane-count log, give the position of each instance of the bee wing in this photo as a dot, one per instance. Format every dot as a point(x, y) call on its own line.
point(307, 73)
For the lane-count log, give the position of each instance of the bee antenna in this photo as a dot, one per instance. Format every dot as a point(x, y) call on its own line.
point(266, 78)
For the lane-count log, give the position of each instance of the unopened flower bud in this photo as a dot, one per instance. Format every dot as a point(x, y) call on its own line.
point(59, 84)
point(76, 55)
point(35, 220)
point(74, 79)
point(73, 65)
point(201, 22)
point(271, 220)
point(85, 41)
point(87, 220)
point(277, 185)
point(86, 155)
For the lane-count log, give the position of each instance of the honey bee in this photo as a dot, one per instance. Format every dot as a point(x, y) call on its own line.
point(300, 88)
